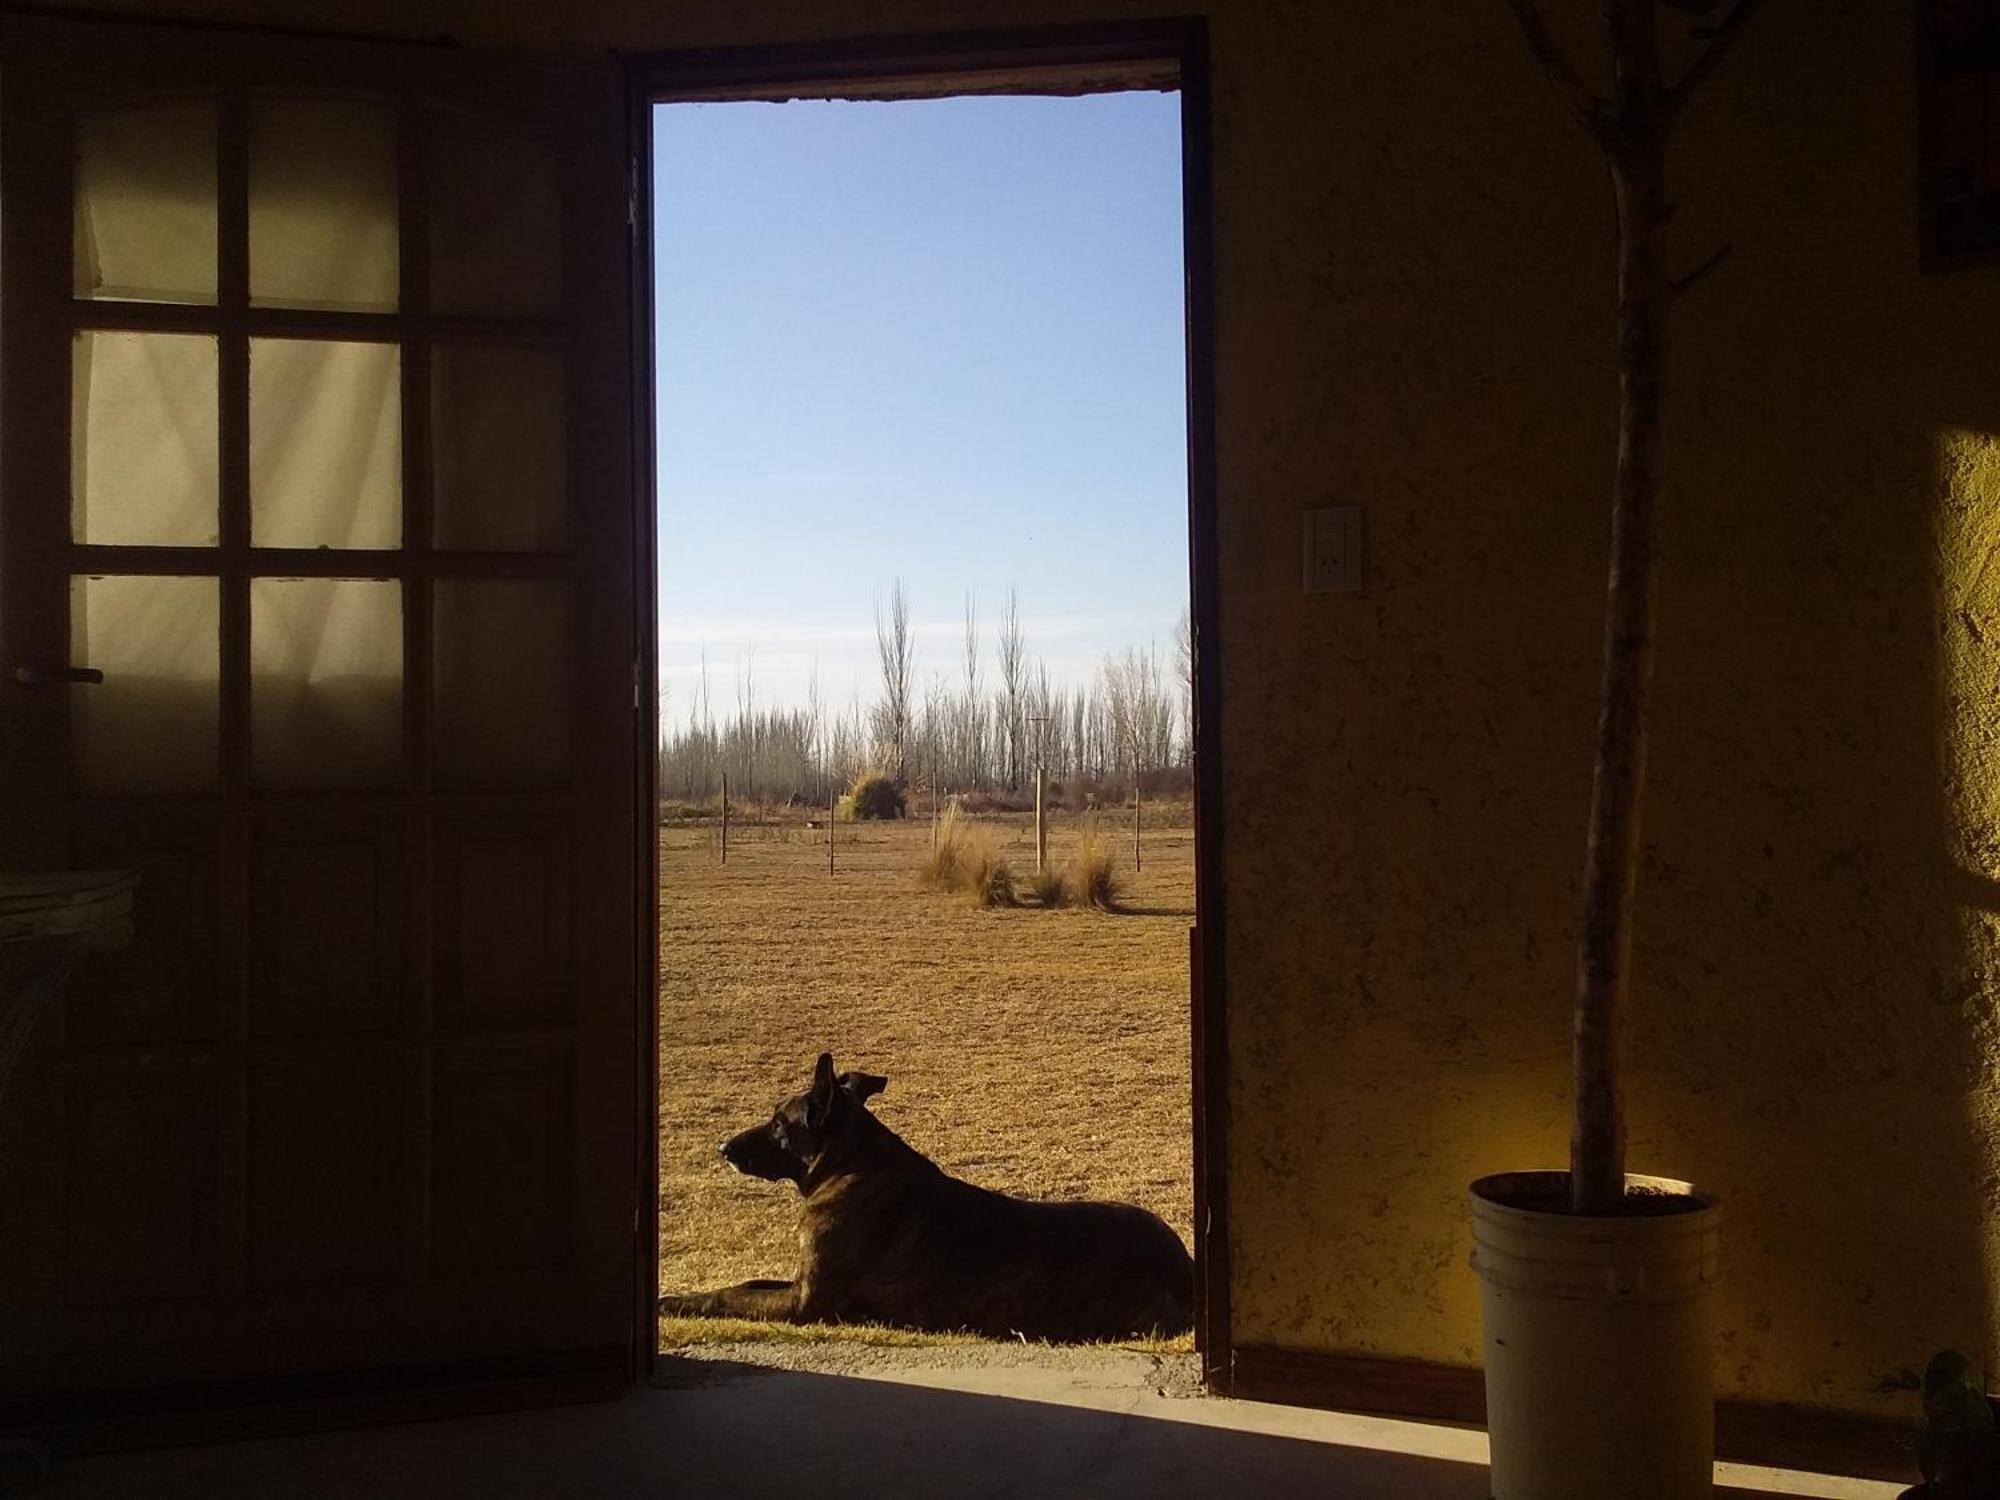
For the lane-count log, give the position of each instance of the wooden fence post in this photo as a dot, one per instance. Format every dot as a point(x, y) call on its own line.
point(1135, 822)
point(725, 817)
point(1041, 819)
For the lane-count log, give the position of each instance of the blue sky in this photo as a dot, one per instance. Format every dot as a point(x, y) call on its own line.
point(936, 339)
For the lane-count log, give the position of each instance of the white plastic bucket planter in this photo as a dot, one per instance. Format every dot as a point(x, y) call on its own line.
point(1600, 1339)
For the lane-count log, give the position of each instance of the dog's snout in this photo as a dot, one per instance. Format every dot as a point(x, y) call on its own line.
point(755, 1153)
point(722, 1148)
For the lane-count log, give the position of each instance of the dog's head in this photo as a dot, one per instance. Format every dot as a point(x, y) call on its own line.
point(805, 1127)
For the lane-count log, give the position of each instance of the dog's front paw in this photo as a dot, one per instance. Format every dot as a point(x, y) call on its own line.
point(681, 1305)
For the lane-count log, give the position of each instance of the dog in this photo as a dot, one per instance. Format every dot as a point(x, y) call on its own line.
point(887, 1236)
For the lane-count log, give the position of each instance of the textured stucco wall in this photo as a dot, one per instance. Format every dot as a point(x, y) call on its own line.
point(1815, 950)
point(1413, 316)
point(1815, 953)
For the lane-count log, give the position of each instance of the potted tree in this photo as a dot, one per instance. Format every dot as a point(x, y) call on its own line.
point(1596, 1283)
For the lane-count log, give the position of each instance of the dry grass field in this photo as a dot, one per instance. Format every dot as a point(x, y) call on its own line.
point(1042, 1052)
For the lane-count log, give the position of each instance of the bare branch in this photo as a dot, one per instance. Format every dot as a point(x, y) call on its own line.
point(1681, 284)
point(1576, 95)
point(1722, 37)
point(896, 651)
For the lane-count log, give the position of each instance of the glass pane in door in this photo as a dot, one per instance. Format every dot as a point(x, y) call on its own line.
point(151, 724)
point(326, 682)
point(326, 444)
point(143, 439)
point(500, 653)
point(323, 205)
point(145, 203)
point(496, 220)
point(498, 450)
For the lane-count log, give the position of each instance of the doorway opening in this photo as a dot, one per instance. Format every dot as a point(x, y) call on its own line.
point(928, 662)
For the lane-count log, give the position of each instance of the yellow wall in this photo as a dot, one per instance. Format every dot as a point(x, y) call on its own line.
point(1412, 315)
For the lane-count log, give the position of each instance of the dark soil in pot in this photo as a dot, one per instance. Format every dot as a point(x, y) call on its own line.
point(1548, 1193)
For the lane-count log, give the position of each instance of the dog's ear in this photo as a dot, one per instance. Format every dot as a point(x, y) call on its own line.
point(863, 1086)
point(819, 1104)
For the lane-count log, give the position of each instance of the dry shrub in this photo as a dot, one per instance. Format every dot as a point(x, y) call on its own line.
point(989, 880)
point(873, 795)
point(1092, 880)
point(1049, 886)
point(966, 858)
point(944, 867)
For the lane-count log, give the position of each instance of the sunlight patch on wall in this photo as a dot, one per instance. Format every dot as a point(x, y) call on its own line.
point(1968, 542)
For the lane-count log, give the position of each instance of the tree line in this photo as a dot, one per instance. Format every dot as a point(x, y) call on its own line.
point(952, 730)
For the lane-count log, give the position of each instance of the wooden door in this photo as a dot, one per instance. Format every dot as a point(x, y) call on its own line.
point(315, 389)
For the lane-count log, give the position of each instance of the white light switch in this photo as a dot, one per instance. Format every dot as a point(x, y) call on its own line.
point(1333, 549)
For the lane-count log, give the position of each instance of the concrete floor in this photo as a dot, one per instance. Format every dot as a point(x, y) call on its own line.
point(1101, 1426)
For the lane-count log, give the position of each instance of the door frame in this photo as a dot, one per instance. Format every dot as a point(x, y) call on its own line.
point(1059, 60)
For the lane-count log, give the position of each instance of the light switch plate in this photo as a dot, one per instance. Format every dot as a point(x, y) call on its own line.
point(1333, 549)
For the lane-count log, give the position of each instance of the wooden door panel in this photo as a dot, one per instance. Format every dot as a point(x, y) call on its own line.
point(326, 928)
point(504, 1184)
point(494, 185)
point(364, 1090)
point(328, 1143)
point(504, 899)
point(164, 988)
point(140, 1217)
point(501, 666)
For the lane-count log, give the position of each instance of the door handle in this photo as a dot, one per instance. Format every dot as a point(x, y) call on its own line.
point(28, 676)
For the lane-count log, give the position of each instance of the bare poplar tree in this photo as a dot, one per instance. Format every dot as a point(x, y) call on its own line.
point(933, 731)
point(969, 768)
point(1043, 713)
point(1013, 664)
point(1079, 732)
point(1141, 714)
point(746, 719)
point(665, 733)
point(815, 730)
point(1103, 733)
point(700, 706)
point(847, 743)
point(1184, 667)
point(1631, 127)
point(897, 651)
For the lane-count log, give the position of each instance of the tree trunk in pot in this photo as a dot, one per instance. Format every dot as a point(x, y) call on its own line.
point(1631, 127)
point(1611, 862)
